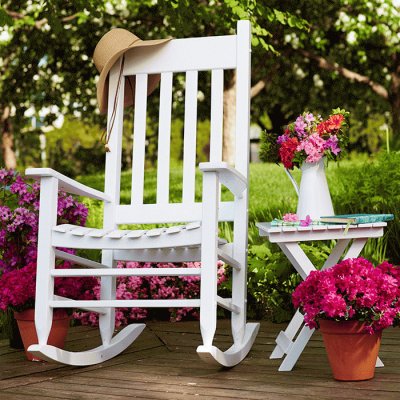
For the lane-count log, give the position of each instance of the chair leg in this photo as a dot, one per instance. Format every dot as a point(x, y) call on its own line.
point(209, 247)
point(239, 277)
point(107, 292)
point(45, 259)
point(243, 333)
point(45, 289)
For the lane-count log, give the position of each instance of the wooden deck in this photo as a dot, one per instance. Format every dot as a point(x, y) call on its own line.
point(163, 364)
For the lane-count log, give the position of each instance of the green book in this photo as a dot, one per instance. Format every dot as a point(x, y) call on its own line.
point(356, 218)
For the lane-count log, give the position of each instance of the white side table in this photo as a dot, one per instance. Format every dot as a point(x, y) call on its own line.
point(288, 239)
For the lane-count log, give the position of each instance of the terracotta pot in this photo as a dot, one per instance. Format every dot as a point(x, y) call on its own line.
point(26, 325)
point(15, 340)
point(352, 352)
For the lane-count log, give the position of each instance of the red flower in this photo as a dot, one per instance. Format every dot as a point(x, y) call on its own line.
point(334, 122)
point(321, 128)
point(287, 150)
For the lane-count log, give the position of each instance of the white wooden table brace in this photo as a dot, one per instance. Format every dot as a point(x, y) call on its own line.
point(288, 238)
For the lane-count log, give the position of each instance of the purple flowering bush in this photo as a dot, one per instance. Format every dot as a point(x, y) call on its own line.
point(352, 290)
point(19, 218)
point(151, 287)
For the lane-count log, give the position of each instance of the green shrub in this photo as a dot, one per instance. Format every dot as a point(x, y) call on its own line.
point(374, 187)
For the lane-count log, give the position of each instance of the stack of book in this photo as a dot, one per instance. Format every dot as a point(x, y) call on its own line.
point(356, 219)
point(344, 219)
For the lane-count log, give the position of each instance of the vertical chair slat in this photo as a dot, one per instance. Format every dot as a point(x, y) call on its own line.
point(242, 139)
point(112, 187)
point(217, 106)
point(139, 139)
point(164, 138)
point(115, 124)
point(190, 129)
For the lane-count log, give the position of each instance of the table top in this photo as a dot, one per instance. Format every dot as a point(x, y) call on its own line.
point(287, 233)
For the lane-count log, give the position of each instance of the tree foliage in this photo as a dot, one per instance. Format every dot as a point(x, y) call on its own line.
point(46, 46)
point(349, 58)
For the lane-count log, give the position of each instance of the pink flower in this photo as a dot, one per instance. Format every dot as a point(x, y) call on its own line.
point(151, 287)
point(351, 290)
point(290, 217)
point(306, 222)
point(313, 146)
point(19, 219)
point(300, 126)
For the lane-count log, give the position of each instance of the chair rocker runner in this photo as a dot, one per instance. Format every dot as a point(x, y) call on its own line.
point(195, 238)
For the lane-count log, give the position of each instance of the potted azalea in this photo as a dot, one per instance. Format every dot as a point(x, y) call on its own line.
point(19, 207)
point(351, 303)
point(306, 143)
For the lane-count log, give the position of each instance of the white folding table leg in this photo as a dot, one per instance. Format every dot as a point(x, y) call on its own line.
point(293, 353)
point(289, 333)
point(285, 344)
point(336, 253)
point(355, 248)
point(298, 258)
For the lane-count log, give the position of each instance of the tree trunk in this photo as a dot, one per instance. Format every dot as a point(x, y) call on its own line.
point(228, 148)
point(394, 99)
point(7, 140)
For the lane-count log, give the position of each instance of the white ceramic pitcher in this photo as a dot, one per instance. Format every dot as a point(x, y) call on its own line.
point(314, 197)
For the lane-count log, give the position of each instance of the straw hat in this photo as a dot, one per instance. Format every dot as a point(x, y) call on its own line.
point(110, 47)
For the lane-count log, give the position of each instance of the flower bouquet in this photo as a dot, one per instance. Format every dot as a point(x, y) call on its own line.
point(306, 143)
point(356, 300)
point(308, 139)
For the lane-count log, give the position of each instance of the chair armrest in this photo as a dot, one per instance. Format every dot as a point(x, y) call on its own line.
point(228, 176)
point(67, 184)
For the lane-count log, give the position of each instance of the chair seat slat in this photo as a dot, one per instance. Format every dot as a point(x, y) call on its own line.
point(80, 231)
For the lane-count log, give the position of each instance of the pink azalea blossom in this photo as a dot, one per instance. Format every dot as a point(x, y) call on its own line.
point(151, 287)
point(351, 290)
point(300, 126)
point(313, 146)
point(290, 217)
point(306, 222)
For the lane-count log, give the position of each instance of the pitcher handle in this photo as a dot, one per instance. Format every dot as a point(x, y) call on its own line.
point(295, 185)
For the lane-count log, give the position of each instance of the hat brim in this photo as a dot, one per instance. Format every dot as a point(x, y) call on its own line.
point(102, 84)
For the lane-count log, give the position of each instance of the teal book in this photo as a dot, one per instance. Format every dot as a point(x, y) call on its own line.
point(356, 218)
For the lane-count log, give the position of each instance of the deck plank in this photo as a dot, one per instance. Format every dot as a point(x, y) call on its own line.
point(162, 364)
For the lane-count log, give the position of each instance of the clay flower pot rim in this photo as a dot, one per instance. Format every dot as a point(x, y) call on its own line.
point(29, 314)
point(345, 327)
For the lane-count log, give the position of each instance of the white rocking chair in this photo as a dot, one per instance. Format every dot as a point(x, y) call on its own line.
point(196, 241)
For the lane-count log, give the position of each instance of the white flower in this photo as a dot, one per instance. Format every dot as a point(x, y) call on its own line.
point(351, 37)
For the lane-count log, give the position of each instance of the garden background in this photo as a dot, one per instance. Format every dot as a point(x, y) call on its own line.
point(307, 55)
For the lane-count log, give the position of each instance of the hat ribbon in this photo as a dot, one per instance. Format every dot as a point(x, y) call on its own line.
point(106, 135)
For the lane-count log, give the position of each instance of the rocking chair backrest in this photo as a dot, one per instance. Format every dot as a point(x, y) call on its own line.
point(189, 56)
